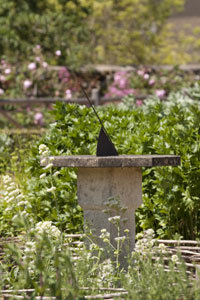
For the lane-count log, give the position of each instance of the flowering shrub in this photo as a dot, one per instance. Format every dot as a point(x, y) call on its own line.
point(120, 86)
point(146, 81)
point(34, 79)
point(13, 205)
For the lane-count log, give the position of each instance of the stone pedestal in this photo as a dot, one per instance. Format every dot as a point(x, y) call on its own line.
point(115, 190)
point(117, 177)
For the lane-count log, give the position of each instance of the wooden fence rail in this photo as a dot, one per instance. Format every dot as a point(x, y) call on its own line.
point(94, 100)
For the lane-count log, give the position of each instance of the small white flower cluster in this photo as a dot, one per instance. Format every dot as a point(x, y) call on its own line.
point(120, 238)
point(47, 228)
point(105, 235)
point(146, 243)
point(13, 200)
point(175, 259)
point(114, 220)
point(162, 248)
point(44, 150)
point(105, 273)
point(29, 249)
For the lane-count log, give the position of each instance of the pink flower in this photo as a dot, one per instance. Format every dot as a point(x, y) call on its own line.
point(139, 102)
point(146, 76)
point(7, 71)
point(45, 64)
point(68, 94)
point(140, 72)
point(38, 46)
point(37, 58)
point(122, 83)
point(32, 66)
point(58, 52)
point(121, 79)
point(129, 91)
point(160, 93)
point(2, 78)
point(119, 75)
point(27, 84)
point(151, 82)
point(1, 91)
point(64, 74)
point(38, 118)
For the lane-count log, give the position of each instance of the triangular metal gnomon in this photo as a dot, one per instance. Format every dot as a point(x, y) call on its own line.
point(104, 145)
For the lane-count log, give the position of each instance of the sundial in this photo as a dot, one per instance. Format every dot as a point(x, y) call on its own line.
point(105, 147)
point(108, 175)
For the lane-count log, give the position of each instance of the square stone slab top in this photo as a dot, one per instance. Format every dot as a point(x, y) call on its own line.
point(92, 161)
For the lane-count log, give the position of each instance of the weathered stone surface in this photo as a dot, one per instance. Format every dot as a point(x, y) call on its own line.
point(97, 185)
point(91, 161)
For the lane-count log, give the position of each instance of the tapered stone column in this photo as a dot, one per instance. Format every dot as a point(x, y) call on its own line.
point(122, 186)
point(117, 177)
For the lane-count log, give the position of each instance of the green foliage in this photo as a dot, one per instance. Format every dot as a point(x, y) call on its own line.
point(133, 31)
point(120, 32)
point(27, 23)
point(170, 194)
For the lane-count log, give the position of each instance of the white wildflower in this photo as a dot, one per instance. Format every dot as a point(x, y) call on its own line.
point(120, 238)
point(94, 246)
point(105, 235)
point(48, 166)
point(14, 192)
point(149, 232)
point(45, 153)
point(43, 150)
point(20, 196)
point(7, 179)
point(11, 199)
point(48, 228)
point(8, 209)
point(114, 219)
point(20, 203)
point(162, 246)
point(42, 175)
point(15, 217)
point(10, 188)
point(43, 161)
point(56, 173)
point(175, 258)
point(51, 189)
